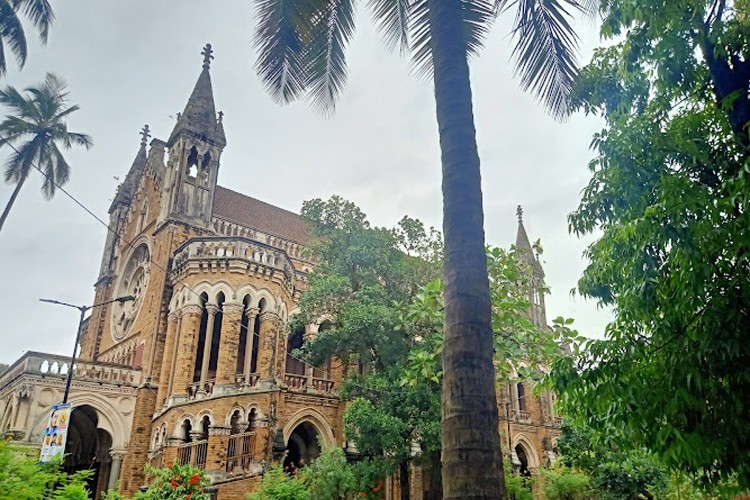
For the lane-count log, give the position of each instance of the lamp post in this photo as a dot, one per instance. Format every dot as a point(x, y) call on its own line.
point(83, 310)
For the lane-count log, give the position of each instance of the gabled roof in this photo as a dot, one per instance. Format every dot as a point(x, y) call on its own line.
point(255, 214)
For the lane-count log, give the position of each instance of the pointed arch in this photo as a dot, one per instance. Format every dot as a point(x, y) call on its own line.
point(317, 420)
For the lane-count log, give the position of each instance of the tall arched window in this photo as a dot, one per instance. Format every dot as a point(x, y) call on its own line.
point(294, 365)
point(213, 360)
point(244, 335)
point(201, 339)
point(521, 397)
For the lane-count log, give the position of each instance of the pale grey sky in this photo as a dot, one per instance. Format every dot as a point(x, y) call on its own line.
point(135, 62)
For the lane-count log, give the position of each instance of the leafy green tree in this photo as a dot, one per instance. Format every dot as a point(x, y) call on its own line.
point(34, 130)
point(21, 476)
point(278, 485)
point(301, 47)
point(384, 310)
point(670, 193)
point(12, 35)
point(564, 483)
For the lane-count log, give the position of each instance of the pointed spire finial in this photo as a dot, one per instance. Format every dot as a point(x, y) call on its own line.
point(145, 134)
point(208, 54)
point(519, 213)
point(221, 116)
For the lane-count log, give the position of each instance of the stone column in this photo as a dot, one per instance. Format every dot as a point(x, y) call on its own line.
point(114, 469)
point(177, 339)
point(266, 352)
point(251, 313)
point(218, 442)
point(226, 367)
point(212, 310)
point(166, 361)
point(189, 328)
point(169, 451)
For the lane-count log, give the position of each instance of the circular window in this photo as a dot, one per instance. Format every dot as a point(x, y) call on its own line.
point(133, 281)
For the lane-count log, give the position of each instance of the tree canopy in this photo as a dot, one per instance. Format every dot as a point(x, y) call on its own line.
point(669, 191)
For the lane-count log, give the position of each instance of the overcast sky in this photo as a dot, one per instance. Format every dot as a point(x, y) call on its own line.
point(135, 62)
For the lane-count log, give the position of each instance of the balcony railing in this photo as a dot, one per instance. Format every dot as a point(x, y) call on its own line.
point(199, 253)
point(557, 421)
point(51, 365)
point(322, 385)
point(252, 381)
point(193, 454)
point(295, 381)
point(240, 452)
point(194, 388)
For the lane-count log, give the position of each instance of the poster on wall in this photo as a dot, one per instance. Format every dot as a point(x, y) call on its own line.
point(56, 433)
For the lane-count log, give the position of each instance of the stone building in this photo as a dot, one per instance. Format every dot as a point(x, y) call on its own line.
point(199, 367)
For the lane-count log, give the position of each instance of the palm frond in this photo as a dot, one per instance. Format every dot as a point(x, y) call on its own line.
point(65, 112)
point(12, 35)
point(19, 162)
point(18, 104)
point(478, 17)
point(39, 12)
point(325, 61)
point(56, 170)
point(545, 50)
point(392, 20)
point(281, 48)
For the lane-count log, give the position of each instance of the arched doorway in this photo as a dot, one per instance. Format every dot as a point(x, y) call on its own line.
point(88, 447)
point(523, 458)
point(303, 446)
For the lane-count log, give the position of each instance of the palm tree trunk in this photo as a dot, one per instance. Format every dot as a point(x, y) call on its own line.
point(12, 200)
point(472, 464)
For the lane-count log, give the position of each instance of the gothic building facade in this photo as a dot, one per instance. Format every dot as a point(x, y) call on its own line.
point(198, 366)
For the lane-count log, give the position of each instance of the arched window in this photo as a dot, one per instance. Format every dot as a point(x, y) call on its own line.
point(192, 163)
point(205, 425)
point(244, 334)
point(252, 419)
point(213, 360)
point(185, 430)
point(521, 397)
point(294, 365)
point(234, 422)
point(201, 339)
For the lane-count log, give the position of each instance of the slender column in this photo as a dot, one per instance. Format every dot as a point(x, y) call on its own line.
point(310, 332)
point(514, 395)
point(226, 368)
point(166, 362)
point(114, 469)
point(177, 339)
point(251, 313)
point(189, 328)
point(212, 310)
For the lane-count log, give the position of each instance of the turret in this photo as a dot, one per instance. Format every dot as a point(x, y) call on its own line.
point(194, 148)
point(536, 295)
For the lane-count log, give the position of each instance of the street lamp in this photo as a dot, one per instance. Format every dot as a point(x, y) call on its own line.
point(83, 310)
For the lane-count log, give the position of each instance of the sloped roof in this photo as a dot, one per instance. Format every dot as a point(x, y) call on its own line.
point(264, 217)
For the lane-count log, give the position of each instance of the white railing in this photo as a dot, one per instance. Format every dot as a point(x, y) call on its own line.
point(51, 365)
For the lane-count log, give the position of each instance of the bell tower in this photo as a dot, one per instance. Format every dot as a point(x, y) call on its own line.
point(538, 310)
point(194, 149)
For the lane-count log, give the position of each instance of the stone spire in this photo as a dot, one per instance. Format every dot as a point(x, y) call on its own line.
point(199, 117)
point(524, 245)
point(126, 190)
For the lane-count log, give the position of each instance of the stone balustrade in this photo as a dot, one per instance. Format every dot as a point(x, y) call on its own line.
point(51, 365)
point(244, 254)
point(251, 383)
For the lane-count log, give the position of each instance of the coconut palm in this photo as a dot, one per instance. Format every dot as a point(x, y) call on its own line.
point(12, 35)
point(301, 45)
point(34, 130)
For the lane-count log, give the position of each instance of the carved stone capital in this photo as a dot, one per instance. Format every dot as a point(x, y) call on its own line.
point(118, 454)
point(192, 309)
point(252, 312)
point(269, 316)
point(174, 316)
point(219, 430)
point(232, 308)
point(212, 308)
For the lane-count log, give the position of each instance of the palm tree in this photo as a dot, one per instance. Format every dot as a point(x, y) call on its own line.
point(12, 35)
point(34, 129)
point(301, 47)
